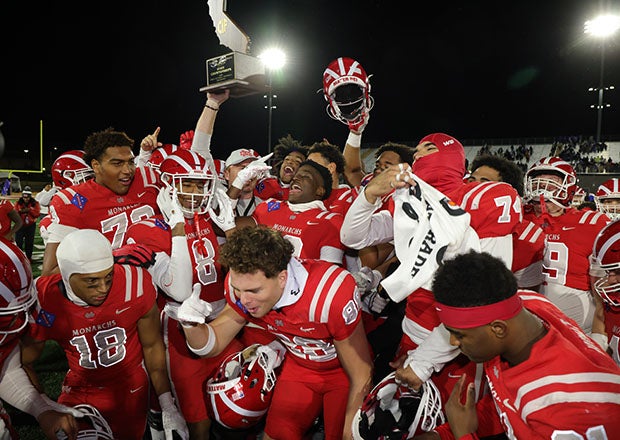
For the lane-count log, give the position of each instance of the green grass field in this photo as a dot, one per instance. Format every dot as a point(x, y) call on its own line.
point(50, 368)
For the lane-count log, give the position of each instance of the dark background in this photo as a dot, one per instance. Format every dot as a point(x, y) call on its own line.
point(474, 69)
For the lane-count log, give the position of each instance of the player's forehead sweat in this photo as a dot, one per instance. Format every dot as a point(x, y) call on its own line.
point(84, 251)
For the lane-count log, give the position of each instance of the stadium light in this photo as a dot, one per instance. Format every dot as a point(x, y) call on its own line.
point(273, 59)
point(601, 27)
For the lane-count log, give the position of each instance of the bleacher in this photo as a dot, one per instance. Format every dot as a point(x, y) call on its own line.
point(538, 151)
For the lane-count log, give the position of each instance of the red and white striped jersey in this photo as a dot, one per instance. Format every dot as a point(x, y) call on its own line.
point(101, 343)
point(90, 205)
point(325, 307)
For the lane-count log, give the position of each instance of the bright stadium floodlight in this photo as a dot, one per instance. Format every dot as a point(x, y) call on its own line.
point(601, 27)
point(273, 59)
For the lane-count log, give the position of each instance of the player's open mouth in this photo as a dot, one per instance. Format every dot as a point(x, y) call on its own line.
point(289, 170)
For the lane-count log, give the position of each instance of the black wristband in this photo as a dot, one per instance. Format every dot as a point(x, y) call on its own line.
point(212, 108)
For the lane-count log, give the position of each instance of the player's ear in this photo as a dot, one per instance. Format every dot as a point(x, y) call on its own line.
point(282, 277)
point(499, 328)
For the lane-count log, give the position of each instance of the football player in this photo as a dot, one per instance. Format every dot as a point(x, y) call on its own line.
point(607, 198)
point(105, 317)
point(187, 232)
point(17, 297)
point(539, 364)
point(473, 215)
point(312, 307)
point(119, 195)
point(550, 184)
point(68, 169)
point(303, 218)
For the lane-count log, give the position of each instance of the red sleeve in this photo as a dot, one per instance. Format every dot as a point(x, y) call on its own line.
point(494, 207)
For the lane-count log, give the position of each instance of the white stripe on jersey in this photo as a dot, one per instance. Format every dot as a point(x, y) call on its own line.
point(477, 192)
point(528, 230)
point(595, 216)
point(333, 290)
point(132, 272)
point(66, 195)
point(312, 312)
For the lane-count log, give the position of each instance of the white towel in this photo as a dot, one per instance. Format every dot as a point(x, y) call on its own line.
point(428, 228)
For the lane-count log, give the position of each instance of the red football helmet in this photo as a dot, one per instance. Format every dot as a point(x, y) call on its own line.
point(393, 412)
point(17, 292)
point(606, 255)
point(160, 153)
point(346, 88)
point(241, 389)
point(560, 193)
point(579, 197)
point(93, 426)
point(70, 169)
point(186, 171)
point(607, 198)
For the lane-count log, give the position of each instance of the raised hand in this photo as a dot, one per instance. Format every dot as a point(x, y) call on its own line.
point(149, 142)
point(255, 169)
point(225, 218)
point(170, 207)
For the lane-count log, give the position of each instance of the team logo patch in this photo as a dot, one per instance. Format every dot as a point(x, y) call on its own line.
point(260, 186)
point(45, 319)
point(161, 225)
point(279, 323)
point(273, 205)
point(79, 201)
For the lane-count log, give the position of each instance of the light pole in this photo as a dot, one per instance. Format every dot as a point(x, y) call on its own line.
point(601, 27)
point(273, 59)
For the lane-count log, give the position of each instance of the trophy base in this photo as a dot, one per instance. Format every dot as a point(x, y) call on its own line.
point(238, 88)
point(242, 74)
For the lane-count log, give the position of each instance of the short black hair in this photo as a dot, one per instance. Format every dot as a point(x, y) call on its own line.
point(509, 171)
point(473, 279)
point(405, 152)
point(96, 143)
point(324, 172)
point(329, 152)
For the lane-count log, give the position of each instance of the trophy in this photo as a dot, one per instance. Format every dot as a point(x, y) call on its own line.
point(237, 71)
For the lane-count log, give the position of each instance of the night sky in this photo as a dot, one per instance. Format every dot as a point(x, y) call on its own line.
point(474, 69)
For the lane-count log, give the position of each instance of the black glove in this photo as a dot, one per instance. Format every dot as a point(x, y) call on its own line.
point(134, 254)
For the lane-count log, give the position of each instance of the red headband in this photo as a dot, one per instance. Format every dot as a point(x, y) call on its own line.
point(470, 317)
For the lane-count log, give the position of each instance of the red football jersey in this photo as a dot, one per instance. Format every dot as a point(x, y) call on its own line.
point(612, 327)
point(203, 250)
point(494, 207)
point(545, 396)
point(101, 343)
point(569, 244)
point(89, 205)
point(271, 188)
point(315, 233)
point(5, 221)
point(528, 244)
point(326, 307)
point(340, 199)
